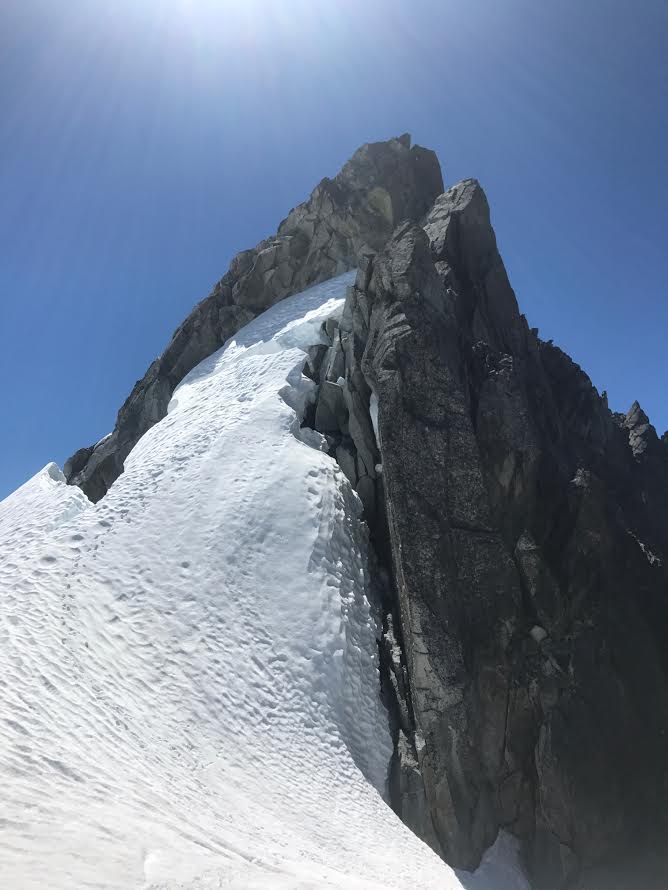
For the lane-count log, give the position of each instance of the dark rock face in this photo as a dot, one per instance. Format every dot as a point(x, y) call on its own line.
point(344, 219)
point(449, 561)
point(527, 532)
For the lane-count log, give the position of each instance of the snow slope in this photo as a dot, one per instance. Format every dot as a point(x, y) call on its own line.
point(188, 669)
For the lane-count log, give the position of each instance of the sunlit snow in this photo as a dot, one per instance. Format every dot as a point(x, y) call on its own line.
point(189, 679)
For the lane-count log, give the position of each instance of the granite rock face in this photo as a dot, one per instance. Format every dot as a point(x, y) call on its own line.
point(526, 531)
point(343, 220)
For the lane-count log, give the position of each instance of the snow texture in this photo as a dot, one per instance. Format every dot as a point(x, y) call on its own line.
point(373, 411)
point(189, 678)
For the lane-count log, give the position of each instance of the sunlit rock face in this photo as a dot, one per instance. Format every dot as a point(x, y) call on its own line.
point(344, 219)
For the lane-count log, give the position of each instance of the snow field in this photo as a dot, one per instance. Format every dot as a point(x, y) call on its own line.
point(189, 692)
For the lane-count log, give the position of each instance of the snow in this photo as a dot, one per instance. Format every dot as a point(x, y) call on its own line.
point(373, 411)
point(189, 668)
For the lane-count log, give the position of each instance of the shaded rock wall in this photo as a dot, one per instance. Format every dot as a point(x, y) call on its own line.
point(528, 541)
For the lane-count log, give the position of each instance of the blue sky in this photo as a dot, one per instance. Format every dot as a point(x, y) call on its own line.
point(144, 142)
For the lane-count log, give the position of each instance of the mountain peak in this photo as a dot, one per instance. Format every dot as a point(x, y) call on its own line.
point(344, 220)
point(519, 541)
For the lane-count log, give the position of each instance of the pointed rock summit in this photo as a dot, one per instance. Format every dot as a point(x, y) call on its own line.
point(344, 220)
point(642, 435)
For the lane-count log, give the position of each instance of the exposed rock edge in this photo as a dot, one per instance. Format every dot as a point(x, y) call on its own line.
point(522, 525)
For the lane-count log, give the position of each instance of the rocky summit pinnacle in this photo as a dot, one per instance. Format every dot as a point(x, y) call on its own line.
point(343, 220)
point(519, 526)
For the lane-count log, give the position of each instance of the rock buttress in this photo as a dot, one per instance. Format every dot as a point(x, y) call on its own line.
point(528, 544)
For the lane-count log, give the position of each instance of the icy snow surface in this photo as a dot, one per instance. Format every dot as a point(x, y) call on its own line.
point(188, 670)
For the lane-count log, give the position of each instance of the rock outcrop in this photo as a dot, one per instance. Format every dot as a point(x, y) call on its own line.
point(519, 526)
point(344, 220)
point(525, 526)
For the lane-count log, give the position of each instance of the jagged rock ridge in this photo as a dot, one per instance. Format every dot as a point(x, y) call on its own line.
point(519, 524)
point(344, 220)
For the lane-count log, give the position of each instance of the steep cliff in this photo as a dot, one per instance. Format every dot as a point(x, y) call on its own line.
point(526, 533)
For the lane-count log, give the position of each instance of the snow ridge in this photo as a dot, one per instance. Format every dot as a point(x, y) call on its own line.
point(189, 667)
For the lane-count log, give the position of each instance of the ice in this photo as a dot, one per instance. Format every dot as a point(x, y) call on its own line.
point(189, 668)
